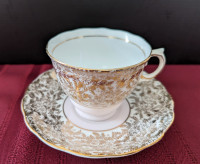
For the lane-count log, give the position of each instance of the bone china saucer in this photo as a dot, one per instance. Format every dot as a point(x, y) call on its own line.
point(151, 114)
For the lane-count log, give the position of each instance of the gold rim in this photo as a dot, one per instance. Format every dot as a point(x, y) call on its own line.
point(82, 154)
point(102, 70)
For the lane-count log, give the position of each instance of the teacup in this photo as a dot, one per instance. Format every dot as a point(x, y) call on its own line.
point(99, 67)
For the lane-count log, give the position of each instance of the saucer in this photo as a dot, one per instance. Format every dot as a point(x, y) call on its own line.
point(151, 114)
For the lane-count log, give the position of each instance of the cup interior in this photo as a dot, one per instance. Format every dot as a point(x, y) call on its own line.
point(98, 48)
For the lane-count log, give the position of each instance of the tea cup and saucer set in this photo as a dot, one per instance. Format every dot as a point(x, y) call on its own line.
point(97, 102)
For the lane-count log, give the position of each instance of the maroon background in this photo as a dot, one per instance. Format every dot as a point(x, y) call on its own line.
point(181, 144)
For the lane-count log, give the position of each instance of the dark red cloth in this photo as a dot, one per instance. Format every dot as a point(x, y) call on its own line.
point(181, 144)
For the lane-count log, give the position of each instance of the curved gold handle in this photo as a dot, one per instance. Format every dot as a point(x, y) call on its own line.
point(159, 53)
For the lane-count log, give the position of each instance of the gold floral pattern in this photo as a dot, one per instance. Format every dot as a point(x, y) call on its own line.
point(87, 86)
point(150, 117)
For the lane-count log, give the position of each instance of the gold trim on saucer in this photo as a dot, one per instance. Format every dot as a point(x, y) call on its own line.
point(87, 155)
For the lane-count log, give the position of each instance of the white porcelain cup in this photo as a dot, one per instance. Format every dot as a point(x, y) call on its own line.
point(99, 67)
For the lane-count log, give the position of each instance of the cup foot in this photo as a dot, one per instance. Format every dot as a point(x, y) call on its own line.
point(95, 114)
point(111, 120)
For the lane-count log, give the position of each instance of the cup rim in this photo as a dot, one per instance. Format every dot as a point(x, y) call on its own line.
point(82, 36)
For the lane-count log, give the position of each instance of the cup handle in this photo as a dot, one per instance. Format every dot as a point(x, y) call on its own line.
point(159, 53)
